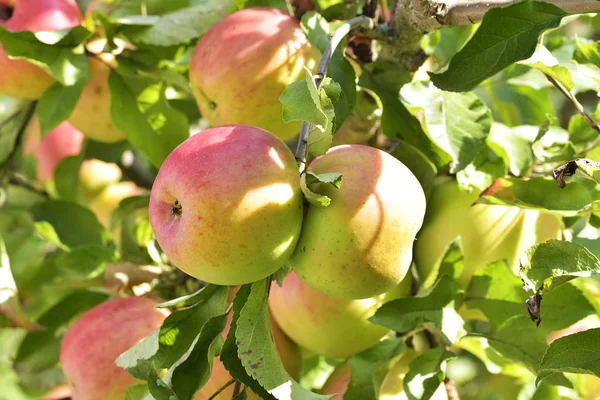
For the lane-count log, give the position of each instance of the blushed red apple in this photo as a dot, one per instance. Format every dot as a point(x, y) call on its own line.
point(361, 245)
point(226, 206)
point(242, 65)
point(20, 78)
point(93, 343)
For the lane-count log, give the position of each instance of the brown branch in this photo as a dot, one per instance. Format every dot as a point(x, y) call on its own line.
point(218, 392)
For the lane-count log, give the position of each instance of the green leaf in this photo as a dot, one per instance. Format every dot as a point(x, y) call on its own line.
point(487, 166)
point(494, 361)
point(164, 347)
point(137, 392)
point(437, 307)
point(576, 353)
point(545, 62)
point(309, 178)
point(74, 225)
point(66, 177)
point(506, 35)
point(140, 110)
point(175, 28)
point(229, 354)
point(369, 367)
point(57, 103)
point(257, 351)
point(396, 121)
point(82, 265)
point(554, 145)
point(516, 146)
point(426, 373)
point(547, 265)
point(10, 304)
point(451, 264)
point(189, 376)
point(458, 122)
point(40, 350)
point(158, 388)
point(58, 52)
point(544, 194)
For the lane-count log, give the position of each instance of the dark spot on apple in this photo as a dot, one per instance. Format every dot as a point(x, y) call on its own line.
point(212, 105)
point(5, 13)
point(176, 210)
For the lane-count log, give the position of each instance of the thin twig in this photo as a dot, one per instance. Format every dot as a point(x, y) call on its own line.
point(18, 181)
point(218, 392)
point(358, 22)
point(289, 7)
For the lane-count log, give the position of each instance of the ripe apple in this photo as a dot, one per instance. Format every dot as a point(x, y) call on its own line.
point(97, 338)
point(63, 141)
point(91, 114)
point(105, 203)
point(226, 206)
point(325, 325)
point(392, 387)
point(20, 78)
point(288, 351)
point(361, 245)
point(488, 232)
point(243, 63)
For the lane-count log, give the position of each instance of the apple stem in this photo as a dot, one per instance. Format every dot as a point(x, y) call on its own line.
point(361, 21)
point(225, 386)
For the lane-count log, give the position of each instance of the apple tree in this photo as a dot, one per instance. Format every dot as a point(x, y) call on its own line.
point(299, 199)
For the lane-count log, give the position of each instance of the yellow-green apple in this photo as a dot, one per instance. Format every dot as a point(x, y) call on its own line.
point(96, 175)
point(488, 232)
point(226, 206)
point(243, 63)
point(91, 114)
point(288, 352)
point(20, 78)
point(325, 325)
point(361, 245)
point(91, 346)
point(105, 203)
point(63, 141)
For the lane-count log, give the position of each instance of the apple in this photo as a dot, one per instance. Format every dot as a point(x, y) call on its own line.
point(96, 175)
point(97, 338)
point(20, 78)
point(63, 141)
point(488, 232)
point(325, 325)
point(243, 63)
point(92, 115)
point(105, 203)
point(226, 206)
point(288, 351)
point(392, 387)
point(361, 245)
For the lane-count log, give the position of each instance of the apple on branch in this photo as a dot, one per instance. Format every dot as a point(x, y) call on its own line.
point(226, 206)
point(20, 78)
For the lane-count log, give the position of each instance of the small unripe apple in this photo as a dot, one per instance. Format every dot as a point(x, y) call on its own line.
point(242, 65)
point(91, 346)
point(20, 78)
point(96, 175)
point(288, 352)
point(226, 206)
point(63, 141)
point(105, 203)
point(361, 245)
point(488, 232)
point(92, 115)
point(325, 325)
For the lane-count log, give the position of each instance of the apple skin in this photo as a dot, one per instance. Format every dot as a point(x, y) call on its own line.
point(91, 346)
point(104, 204)
point(20, 78)
point(243, 63)
point(63, 141)
point(226, 206)
point(96, 175)
point(92, 115)
point(361, 245)
point(392, 387)
point(288, 351)
point(488, 232)
point(325, 325)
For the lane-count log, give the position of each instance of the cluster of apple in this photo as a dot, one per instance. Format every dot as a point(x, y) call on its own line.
point(226, 207)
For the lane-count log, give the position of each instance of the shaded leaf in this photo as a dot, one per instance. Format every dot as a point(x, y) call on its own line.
point(426, 373)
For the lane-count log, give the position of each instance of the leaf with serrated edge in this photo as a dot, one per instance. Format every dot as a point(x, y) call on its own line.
point(576, 353)
point(545, 62)
point(547, 265)
point(506, 35)
point(426, 373)
point(257, 350)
